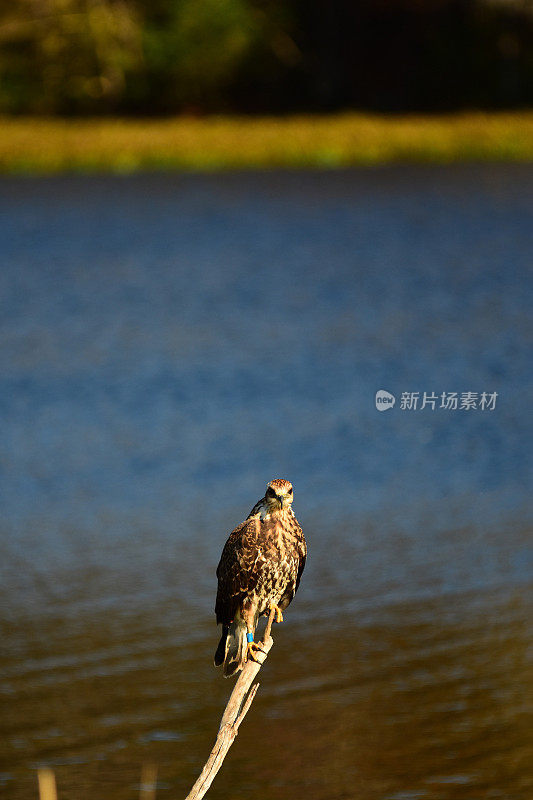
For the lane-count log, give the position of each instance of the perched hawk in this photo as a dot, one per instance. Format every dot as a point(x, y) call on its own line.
point(260, 570)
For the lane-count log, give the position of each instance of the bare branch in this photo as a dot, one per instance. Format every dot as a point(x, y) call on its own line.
point(236, 709)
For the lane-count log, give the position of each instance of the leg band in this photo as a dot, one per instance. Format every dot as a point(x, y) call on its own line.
point(249, 637)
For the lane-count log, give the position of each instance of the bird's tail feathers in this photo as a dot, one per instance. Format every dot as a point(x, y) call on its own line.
point(221, 649)
point(232, 648)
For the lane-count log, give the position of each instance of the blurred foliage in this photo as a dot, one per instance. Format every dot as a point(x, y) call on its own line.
point(194, 47)
point(169, 56)
point(67, 55)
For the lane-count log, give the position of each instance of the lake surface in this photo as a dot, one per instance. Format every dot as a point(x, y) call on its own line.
point(171, 343)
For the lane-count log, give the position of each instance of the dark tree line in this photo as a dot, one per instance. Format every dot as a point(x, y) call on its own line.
point(257, 56)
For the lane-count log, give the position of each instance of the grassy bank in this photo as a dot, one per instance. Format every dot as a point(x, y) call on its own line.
point(117, 145)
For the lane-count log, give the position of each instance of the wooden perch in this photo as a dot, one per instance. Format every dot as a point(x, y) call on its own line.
point(238, 705)
point(47, 784)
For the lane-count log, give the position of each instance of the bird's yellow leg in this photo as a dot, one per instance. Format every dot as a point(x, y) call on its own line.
point(253, 647)
point(277, 612)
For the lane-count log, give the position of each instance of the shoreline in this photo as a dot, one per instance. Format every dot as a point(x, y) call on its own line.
point(30, 145)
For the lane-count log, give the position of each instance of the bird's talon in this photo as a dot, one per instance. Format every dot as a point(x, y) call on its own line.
point(278, 616)
point(252, 648)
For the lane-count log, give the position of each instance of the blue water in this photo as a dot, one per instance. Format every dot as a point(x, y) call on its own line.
point(171, 343)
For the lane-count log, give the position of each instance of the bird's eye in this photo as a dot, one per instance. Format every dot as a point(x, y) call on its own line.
point(270, 492)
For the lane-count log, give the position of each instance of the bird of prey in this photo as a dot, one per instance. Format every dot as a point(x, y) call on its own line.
point(259, 571)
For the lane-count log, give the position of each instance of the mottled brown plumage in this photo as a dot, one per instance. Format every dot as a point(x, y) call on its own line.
point(260, 569)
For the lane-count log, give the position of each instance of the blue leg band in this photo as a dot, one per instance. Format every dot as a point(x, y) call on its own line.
point(249, 637)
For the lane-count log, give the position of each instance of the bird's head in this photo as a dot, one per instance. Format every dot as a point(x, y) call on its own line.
point(278, 495)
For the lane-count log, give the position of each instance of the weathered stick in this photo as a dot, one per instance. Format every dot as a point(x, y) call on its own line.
point(47, 784)
point(148, 782)
point(239, 702)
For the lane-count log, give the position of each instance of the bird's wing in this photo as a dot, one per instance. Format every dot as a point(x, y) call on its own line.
point(301, 567)
point(237, 574)
point(302, 552)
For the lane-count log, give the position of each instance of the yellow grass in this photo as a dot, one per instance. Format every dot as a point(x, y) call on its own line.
point(214, 143)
